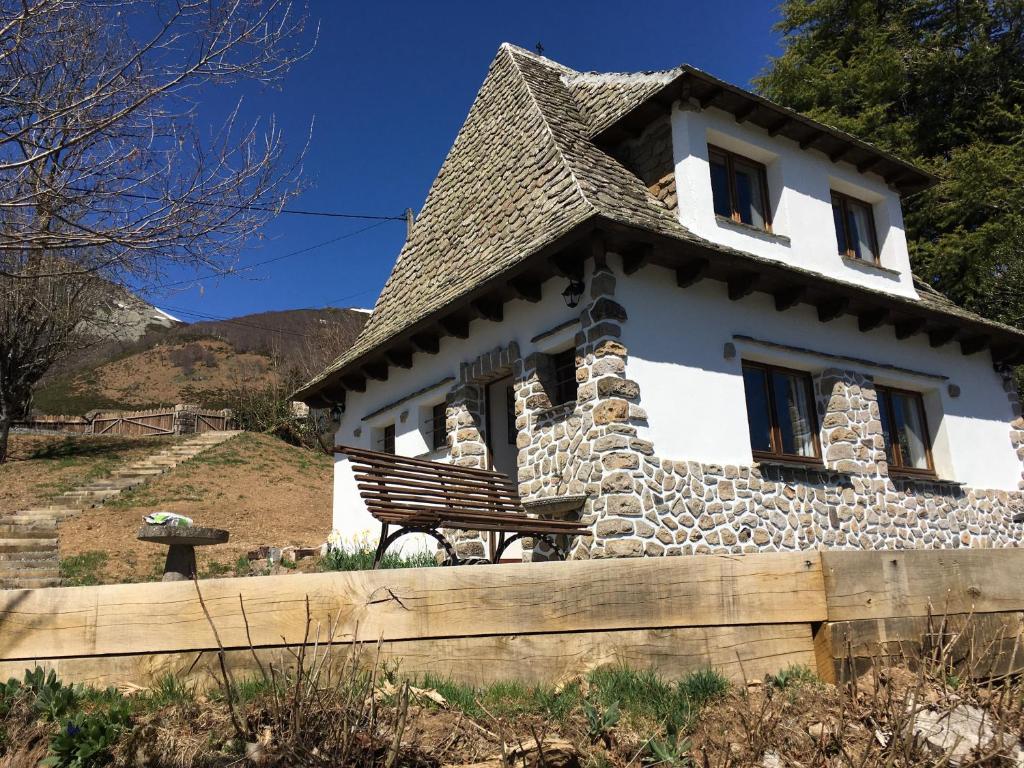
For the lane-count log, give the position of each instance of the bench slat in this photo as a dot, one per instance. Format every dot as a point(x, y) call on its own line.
point(440, 484)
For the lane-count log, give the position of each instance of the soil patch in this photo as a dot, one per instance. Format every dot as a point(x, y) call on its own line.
point(43, 466)
point(260, 489)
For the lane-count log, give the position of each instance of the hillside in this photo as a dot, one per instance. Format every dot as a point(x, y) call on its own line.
point(199, 362)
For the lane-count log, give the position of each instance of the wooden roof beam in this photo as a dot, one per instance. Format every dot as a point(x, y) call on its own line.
point(787, 298)
point(376, 371)
point(742, 284)
point(489, 309)
point(456, 326)
point(354, 383)
point(907, 328)
point(400, 358)
point(778, 126)
point(941, 336)
point(426, 342)
point(830, 309)
point(868, 321)
point(809, 141)
point(974, 344)
point(867, 165)
point(635, 258)
point(709, 97)
point(569, 265)
point(526, 288)
point(840, 153)
point(691, 272)
point(744, 113)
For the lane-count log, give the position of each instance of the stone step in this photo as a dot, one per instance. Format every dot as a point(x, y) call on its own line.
point(31, 557)
point(29, 583)
point(22, 546)
point(73, 496)
point(39, 570)
point(34, 530)
point(140, 472)
point(47, 559)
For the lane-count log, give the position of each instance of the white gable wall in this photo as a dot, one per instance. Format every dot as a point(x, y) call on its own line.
point(799, 185)
point(695, 401)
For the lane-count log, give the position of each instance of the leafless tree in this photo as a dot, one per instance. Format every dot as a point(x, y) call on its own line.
point(105, 174)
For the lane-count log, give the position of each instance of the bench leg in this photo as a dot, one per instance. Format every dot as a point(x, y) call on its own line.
point(551, 542)
point(389, 539)
point(381, 545)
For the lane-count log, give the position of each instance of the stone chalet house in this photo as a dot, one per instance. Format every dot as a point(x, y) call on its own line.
point(686, 315)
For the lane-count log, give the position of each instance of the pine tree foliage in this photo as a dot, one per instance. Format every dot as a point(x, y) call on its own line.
point(941, 84)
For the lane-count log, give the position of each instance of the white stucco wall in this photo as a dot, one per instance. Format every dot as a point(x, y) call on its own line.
point(799, 187)
point(522, 321)
point(695, 401)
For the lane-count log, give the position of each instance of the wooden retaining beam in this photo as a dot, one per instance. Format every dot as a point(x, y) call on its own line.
point(890, 605)
point(749, 614)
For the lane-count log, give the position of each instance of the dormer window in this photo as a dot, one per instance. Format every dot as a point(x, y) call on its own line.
point(855, 228)
point(740, 189)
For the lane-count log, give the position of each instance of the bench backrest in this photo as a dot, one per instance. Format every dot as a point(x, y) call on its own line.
point(398, 489)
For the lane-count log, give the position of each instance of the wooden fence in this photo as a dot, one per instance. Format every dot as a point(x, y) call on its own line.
point(745, 615)
point(171, 420)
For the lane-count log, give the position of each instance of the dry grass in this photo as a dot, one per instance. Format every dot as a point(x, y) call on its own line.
point(324, 705)
point(43, 466)
point(258, 488)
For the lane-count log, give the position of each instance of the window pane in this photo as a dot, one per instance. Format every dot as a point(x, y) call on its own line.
point(756, 386)
point(858, 217)
point(793, 414)
point(910, 430)
point(720, 185)
point(749, 200)
point(837, 216)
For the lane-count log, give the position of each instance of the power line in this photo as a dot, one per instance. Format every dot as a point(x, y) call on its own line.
point(263, 208)
point(237, 270)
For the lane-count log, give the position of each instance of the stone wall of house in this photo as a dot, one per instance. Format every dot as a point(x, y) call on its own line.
point(641, 504)
point(649, 156)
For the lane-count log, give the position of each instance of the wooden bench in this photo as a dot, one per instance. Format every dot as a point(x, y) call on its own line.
point(421, 496)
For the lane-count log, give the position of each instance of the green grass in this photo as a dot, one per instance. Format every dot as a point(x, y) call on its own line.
point(83, 570)
point(362, 560)
point(642, 697)
point(794, 676)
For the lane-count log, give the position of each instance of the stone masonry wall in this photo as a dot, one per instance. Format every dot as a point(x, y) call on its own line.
point(649, 156)
point(641, 504)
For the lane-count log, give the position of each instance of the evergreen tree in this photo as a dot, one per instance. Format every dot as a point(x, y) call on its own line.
point(941, 84)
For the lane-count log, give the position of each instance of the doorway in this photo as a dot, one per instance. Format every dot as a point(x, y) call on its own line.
point(502, 453)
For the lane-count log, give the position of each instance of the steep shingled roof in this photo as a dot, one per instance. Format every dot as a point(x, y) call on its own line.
point(520, 174)
point(523, 172)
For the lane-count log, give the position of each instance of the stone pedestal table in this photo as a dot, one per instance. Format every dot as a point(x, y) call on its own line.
point(181, 542)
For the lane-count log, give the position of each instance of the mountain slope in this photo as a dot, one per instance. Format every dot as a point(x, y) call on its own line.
point(198, 362)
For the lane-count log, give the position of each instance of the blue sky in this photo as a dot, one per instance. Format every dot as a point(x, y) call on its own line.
point(387, 88)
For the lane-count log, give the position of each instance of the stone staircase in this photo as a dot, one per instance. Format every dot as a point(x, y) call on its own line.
point(29, 555)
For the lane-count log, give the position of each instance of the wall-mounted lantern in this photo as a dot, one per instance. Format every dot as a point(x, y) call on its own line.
point(573, 293)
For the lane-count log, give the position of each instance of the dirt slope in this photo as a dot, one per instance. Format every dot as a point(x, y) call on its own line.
point(260, 489)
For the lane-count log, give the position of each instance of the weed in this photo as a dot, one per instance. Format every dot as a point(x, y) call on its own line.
point(83, 570)
point(361, 559)
point(168, 691)
point(600, 723)
point(87, 738)
point(703, 686)
point(792, 676)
